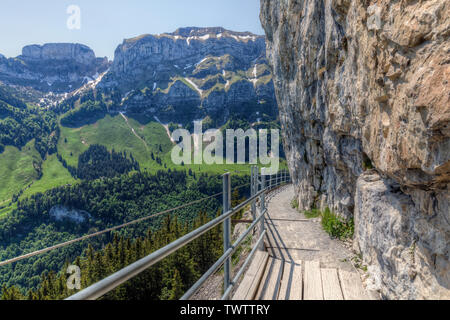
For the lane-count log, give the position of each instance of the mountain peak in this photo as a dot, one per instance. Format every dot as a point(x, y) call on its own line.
point(59, 51)
point(53, 67)
point(197, 31)
point(215, 31)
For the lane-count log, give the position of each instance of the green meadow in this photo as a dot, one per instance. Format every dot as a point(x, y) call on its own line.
point(19, 170)
point(54, 175)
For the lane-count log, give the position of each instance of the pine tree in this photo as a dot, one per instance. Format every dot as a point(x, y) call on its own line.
point(177, 286)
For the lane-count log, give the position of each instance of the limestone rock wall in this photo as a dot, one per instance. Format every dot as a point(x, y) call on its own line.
point(60, 51)
point(194, 73)
point(150, 58)
point(54, 67)
point(364, 84)
point(405, 249)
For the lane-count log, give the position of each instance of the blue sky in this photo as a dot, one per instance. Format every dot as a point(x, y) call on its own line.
point(105, 23)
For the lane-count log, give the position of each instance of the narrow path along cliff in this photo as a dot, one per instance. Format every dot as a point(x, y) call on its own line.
point(303, 262)
point(362, 90)
point(293, 237)
point(300, 261)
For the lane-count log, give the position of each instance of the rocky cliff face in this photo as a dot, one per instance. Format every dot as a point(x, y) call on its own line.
point(53, 67)
point(364, 84)
point(193, 73)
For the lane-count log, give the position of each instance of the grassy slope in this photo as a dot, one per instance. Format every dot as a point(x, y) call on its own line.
point(6, 210)
point(114, 132)
point(16, 170)
point(17, 173)
point(54, 174)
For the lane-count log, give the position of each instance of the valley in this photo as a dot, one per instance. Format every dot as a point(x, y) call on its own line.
point(84, 134)
point(211, 82)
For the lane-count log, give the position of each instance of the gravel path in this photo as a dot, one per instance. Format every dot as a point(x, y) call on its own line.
point(293, 237)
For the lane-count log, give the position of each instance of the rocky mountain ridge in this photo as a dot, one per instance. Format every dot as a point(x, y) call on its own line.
point(53, 67)
point(190, 74)
point(193, 73)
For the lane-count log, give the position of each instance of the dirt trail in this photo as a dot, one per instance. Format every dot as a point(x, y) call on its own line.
point(166, 126)
point(291, 236)
point(134, 131)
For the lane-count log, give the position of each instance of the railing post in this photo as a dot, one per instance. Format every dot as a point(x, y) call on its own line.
point(226, 227)
point(262, 202)
point(254, 189)
point(270, 181)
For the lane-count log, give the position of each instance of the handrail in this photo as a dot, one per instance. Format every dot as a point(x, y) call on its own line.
point(104, 286)
point(120, 226)
point(244, 266)
point(111, 282)
point(221, 260)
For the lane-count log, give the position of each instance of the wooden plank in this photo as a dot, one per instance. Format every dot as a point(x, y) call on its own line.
point(272, 285)
point(352, 287)
point(257, 279)
point(292, 282)
point(286, 281)
point(297, 283)
point(264, 278)
point(313, 281)
point(245, 286)
point(248, 279)
point(330, 284)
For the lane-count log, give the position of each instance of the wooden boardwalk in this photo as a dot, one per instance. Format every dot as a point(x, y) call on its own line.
point(300, 261)
point(270, 278)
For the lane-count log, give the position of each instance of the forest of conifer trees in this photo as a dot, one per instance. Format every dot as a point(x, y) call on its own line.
point(109, 202)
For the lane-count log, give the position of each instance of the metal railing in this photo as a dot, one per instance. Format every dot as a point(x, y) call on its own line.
point(258, 190)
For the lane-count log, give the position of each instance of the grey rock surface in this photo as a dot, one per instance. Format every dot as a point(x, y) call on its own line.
point(364, 84)
point(407, 252)
point(53, 67)
point(193, 73)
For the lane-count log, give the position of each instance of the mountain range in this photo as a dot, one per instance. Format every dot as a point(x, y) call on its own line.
point(73, 124)
point(181, 76)
point(58, 99)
